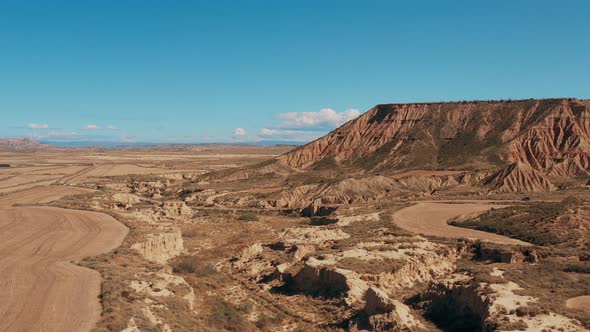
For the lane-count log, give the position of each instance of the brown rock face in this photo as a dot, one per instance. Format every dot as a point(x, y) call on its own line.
point(533, 139)
point(520, 177)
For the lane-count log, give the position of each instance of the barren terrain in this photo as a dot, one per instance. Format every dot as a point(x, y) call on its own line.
point(41, 245)
point(44, 290)
point(471, 216)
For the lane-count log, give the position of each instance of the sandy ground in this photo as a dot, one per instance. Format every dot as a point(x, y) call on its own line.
point(39, 195)
point(580, 302)
point(430, 218)
point(41, 289)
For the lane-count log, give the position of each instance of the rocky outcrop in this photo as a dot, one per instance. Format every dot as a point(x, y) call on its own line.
point(311, 235)
point(457, 302)
point(508, 255)
point(386, 314)
point(161, 284)
point(519, 177)
point(315, 208)
point(152, 189)
point(319, 279)
point(559, 142)
point(173, 209)
point(127, 199)
point(160, 247)
point(419, 268)
point(411, 263)
point(377, 302)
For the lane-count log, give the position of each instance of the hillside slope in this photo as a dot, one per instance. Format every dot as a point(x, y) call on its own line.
point(469, 147)
point(551, 135)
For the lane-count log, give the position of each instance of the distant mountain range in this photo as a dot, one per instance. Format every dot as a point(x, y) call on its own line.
point(30, 144)
point(20, 144)
point(108, 144)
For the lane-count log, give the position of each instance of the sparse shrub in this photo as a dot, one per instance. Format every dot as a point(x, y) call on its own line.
point(245, 307)
point(519, 325)
point(189, 264)
point(266, 321)
point(190, 233)
point(578, 268)
point(225, 315)
point(248, 216)
point(530, 311)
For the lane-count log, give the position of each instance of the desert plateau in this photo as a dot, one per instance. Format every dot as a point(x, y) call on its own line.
point(468, 216)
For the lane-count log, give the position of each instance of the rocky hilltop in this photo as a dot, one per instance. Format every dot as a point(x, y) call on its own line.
point(524, 141)
point(551, 135)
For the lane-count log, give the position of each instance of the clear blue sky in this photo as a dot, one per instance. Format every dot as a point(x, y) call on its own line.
point(194, 71)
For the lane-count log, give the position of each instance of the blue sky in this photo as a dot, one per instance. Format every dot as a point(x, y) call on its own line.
point(224, 71)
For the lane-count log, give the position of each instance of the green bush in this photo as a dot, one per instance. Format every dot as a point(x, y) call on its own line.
point(248, 216)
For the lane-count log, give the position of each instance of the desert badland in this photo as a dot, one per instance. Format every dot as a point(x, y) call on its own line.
point(459, 216)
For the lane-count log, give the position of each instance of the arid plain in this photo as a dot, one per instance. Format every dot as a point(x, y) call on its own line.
point(470, 216)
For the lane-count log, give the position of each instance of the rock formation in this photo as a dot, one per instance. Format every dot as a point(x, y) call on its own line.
point(386, 314)
point(160, 247)
point(527, 139)
point(519, 177)
point(176, 209)
point(459, 302)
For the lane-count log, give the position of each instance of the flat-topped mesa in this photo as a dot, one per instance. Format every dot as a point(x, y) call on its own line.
point(552, 136)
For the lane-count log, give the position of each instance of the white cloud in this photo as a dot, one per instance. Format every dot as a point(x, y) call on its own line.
point(275, 132)
point(62, 134)
point(126, 139)
point(38, 126)
point(91, 127)
point(56, 134)
point(288, 135)
point(326, 117)
point(240, 132)
point(111, 127)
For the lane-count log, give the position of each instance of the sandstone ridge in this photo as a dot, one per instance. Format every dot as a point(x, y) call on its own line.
point(526, 141)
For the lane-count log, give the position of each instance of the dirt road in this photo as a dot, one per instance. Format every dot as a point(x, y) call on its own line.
point(41, 289)
point(430, 218)
point(580, 303)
